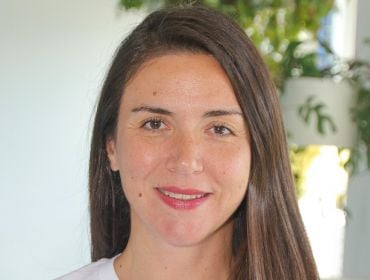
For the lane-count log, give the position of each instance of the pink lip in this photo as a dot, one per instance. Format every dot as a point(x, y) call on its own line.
point(181, 204)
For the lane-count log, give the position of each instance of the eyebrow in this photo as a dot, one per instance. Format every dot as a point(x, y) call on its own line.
point(217, 113)
point(213, 113)
point(155, 110)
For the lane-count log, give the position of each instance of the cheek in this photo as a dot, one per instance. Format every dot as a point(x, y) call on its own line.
point(137, 159)
point(231, 170)
point(240, 166)
point(233, 161)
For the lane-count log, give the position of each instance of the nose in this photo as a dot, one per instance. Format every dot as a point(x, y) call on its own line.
point(185, 155)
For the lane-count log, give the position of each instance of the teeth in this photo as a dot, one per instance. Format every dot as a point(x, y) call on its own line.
point(182, 196)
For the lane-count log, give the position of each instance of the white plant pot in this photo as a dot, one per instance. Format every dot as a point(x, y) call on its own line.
point(338, 97)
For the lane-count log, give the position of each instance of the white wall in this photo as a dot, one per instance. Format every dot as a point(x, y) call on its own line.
point(356, 262)
point(53, 58)
point(363, 29)
point(357, 242)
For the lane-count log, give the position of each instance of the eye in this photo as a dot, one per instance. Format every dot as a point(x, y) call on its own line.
point(153, 124)
point(221, 130)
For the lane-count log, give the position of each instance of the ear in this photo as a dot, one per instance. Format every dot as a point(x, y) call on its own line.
point(110, 147)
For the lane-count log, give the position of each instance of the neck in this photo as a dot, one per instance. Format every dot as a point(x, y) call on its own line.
point(152, 258)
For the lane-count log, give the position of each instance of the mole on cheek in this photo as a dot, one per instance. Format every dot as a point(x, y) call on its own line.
point(140, 194)
point(154, 93)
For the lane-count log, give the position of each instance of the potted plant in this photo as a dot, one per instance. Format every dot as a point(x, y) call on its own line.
point(316, 104)
point(330, 105)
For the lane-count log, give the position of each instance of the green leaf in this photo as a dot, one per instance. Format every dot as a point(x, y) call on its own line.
point(129, 4)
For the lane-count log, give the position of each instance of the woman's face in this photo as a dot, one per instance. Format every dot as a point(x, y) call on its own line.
point(182, 149)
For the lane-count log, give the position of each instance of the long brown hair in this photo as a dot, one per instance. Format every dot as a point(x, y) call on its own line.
point(269, 240)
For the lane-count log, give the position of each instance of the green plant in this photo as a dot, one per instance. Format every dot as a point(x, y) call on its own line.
point(298, 62)
point(357, 72)
point(310, 107)
point(275, 26)
point(359, 75)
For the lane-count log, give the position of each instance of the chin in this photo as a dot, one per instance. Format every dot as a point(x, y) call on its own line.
point(188, 235)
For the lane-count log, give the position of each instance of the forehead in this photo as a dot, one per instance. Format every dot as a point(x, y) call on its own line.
point(181, 77)
point(170, 65)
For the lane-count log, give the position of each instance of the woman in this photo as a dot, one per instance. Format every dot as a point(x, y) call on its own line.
point(189, 170)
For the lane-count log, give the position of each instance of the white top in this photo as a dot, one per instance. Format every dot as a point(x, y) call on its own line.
point(100, 270)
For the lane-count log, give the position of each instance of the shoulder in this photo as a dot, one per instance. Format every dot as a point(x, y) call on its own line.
point(102, 269)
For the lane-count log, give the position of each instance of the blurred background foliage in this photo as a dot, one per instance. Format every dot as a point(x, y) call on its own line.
point(277, 28)
point(301, 158)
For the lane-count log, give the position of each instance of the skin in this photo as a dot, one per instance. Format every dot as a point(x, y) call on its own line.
point(198, 139)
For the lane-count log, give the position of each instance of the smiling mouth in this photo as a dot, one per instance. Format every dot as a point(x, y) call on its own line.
point(181, 196)
point(182, 199)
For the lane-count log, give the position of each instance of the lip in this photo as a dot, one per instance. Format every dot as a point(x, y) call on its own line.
point(182, 199)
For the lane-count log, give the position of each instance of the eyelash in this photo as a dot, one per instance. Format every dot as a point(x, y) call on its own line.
point(214, 127)
point(152, 120)
point(223, 127)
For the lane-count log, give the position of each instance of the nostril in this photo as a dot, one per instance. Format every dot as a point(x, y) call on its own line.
point(185, 165)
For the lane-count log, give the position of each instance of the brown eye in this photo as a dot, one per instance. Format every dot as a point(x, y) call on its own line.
point(153, 124)
point(222, 130)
